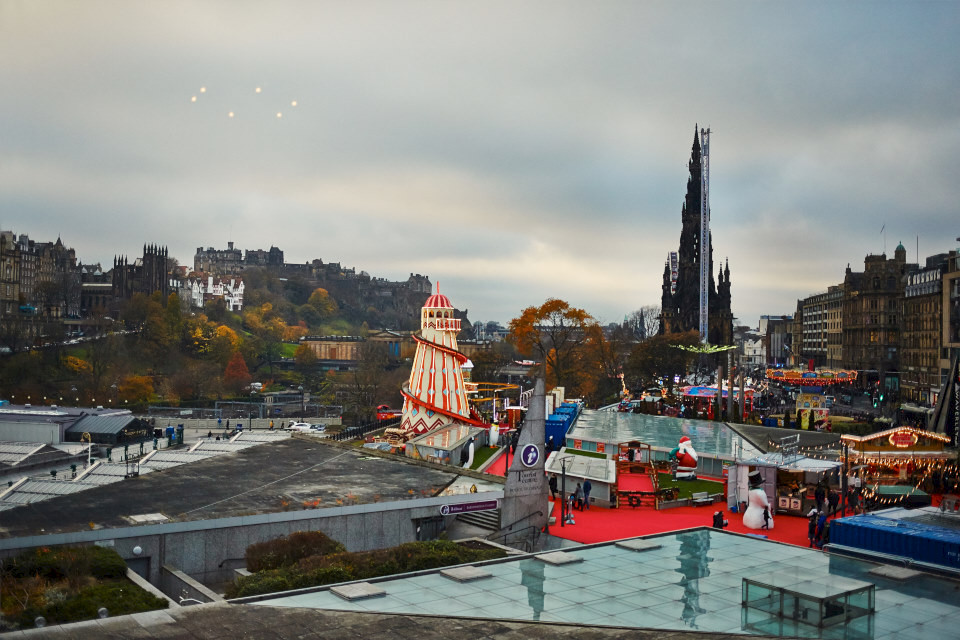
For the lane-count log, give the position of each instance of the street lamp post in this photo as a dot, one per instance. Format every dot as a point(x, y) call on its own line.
point(563, 490)
point(302, 408)
point(252, 395)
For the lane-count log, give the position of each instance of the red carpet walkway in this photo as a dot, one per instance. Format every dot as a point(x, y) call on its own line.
point(601, 525)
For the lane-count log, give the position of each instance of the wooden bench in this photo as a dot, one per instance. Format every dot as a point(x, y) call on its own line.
point(701, 497)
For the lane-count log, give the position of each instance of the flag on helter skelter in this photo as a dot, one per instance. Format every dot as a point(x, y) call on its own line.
point(525, 501)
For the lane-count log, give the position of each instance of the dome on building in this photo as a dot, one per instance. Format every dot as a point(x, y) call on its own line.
point(900, 247)
point(438, 300)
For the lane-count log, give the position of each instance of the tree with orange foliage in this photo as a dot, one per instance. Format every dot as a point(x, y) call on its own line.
point(556, 334)
point(135, 389)
point(236, 376)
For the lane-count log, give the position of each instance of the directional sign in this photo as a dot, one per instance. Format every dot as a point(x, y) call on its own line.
point(468, 507)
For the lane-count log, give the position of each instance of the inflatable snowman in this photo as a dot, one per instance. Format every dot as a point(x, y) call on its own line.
point(686, 457)
point(757, 515)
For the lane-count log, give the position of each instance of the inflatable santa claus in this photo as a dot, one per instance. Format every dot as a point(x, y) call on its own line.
point(686, 457)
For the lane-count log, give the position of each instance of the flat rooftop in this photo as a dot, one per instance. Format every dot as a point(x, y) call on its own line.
point(271, 477)
point(687, 581)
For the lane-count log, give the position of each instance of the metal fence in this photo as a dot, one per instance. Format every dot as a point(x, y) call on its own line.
point(182, 413)
point(359, 431)
point(235, 410)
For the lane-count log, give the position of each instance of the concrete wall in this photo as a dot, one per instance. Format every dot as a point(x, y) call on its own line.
point(45, 432)
point(176, 585)
point(210, 550)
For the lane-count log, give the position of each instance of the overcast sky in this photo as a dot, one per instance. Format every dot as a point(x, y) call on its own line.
point(512, 151)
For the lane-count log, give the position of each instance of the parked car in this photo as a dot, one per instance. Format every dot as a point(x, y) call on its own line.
point(300, 426)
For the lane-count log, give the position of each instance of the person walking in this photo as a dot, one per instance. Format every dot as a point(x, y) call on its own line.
point(819, 494)
point(578, 497)
point(834, 501)
point(552, 483)
point(821, 529)
point(587, 487)
point(812, 526)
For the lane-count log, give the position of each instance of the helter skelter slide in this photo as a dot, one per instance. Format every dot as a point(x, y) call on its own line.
point(435, 395)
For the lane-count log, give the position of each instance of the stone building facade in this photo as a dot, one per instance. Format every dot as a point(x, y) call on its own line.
point(871, 317)
point(820, 336)
point(920, 338)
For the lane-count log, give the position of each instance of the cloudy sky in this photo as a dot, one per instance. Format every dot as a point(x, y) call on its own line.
point(512, 151)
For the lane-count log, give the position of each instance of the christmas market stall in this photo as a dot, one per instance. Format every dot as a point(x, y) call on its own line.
point(902, 466)
point(789, 480)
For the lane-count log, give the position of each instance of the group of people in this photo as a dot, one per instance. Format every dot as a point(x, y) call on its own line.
point(825, 496)
point(818, 528)
point(578, 499)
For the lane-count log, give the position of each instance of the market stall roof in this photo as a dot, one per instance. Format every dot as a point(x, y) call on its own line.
point(793, 462)
point(661, 432)
point(597, 469)
point(902, 438)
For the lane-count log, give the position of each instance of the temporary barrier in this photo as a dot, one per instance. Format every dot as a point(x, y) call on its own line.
point(899, 537)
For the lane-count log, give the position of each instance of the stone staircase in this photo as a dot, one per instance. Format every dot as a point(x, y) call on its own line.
point(489, 520)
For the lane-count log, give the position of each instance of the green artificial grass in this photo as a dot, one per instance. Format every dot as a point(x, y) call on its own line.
point(588, 454)
point(481, 455)
point(689, 487)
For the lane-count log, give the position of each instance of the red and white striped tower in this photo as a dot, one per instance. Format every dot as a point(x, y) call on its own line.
point(434, 396)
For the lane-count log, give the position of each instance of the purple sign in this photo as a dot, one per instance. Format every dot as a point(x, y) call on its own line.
point(530, 455)
point(468, 507)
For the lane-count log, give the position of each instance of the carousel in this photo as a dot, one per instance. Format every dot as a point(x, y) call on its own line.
point(701, 401)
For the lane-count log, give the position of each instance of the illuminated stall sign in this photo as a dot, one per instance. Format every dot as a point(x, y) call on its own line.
point(903, 439)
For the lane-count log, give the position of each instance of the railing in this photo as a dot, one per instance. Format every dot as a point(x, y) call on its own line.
point(353, 433)
point(527, 542)
point(444, 324)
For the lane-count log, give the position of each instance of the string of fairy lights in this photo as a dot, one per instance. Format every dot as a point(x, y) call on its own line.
point(868, 465)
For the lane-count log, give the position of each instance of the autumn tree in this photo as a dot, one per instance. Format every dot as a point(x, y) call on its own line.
point(305, 363)
point(323, 304)
point(236, 375)
point(135, 389)
point(361, 388)
point(224, 343)
point(555, 333)
point(269, 329)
